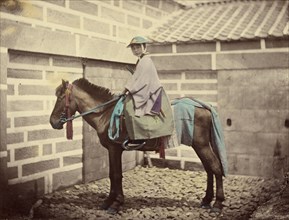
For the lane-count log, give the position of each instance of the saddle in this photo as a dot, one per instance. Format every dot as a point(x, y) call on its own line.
point(149, 126)
point(150, 132)
point(153, 144)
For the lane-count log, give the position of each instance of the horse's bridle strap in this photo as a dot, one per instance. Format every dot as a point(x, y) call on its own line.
point(69, 90)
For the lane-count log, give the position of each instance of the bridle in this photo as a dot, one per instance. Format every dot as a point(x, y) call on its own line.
point(66, 116)
point(67, 112)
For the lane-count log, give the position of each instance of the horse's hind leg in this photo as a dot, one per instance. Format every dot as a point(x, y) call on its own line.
point(212, 166)
point(218, 171)
point(218, 205)
point(203, 151)
point(209, 158)
point(206, 201)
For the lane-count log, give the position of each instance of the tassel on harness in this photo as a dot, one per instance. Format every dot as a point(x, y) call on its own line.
point(69, 128)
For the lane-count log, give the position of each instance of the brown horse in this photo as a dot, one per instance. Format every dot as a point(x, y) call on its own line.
point(85, 96)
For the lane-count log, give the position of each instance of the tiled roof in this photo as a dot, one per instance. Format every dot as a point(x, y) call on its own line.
point(226, 21)
point(195, 2)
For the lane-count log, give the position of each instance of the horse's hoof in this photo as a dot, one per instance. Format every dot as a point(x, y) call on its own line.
point(112, 211)
point(104, 206)
point(205, 206)
point(215, 210)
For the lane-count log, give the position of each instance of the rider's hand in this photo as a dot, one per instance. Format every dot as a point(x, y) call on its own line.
point(125, 92)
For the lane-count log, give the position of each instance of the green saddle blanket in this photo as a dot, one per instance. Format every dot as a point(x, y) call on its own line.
point(149, 126)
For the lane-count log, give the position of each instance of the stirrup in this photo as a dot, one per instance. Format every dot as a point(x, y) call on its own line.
point(129, 146)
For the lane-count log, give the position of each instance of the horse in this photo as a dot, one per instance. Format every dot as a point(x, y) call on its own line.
point(85, 96)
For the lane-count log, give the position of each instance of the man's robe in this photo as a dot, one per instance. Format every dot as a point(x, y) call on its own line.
point(144, 86)
point(147, 109)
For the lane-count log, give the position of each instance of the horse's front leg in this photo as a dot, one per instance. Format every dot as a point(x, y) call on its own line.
point(116, 197)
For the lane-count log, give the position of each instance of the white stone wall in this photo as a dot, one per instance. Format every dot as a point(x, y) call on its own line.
point(248, 83)
point(43, 41)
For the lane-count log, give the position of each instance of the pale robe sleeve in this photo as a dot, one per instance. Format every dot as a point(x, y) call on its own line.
point(144, 86)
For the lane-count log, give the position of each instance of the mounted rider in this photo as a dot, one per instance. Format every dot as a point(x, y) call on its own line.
point(147, 108)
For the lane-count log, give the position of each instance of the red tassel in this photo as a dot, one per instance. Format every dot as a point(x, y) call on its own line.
point(69, 130)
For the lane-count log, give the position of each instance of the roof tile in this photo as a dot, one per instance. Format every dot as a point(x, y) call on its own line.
point(226, 20)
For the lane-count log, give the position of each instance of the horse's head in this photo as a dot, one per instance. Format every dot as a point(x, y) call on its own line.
point(64, 104)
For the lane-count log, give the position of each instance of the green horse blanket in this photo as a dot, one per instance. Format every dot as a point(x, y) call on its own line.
point(149, 126)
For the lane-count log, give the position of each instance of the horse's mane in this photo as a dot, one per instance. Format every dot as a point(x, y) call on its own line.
point(92, 89)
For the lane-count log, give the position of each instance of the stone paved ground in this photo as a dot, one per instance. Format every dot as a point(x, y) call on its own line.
point(277, 207)
point(160, 193)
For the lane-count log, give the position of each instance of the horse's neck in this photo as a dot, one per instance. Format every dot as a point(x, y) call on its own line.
point(85, 103)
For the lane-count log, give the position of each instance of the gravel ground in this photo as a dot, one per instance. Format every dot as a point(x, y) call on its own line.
point(160, 193)
point(155, 193)
point(277, 208)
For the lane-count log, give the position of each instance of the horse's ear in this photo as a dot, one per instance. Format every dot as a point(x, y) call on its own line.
point(64, 83)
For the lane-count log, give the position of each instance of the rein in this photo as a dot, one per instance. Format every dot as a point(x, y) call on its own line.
point(66, 116)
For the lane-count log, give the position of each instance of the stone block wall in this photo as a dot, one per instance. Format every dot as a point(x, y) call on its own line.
point(248, 83)
point(35, 151)
point(43, 41)
point(190, 83)
point(3, 127)
point(255, 109)
point(84, 28)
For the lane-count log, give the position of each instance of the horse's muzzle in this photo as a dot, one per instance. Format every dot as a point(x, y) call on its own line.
point(56, 125)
